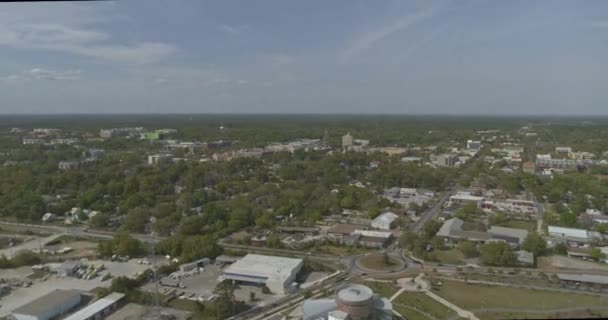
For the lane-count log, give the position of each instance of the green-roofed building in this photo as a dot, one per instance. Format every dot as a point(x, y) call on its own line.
point(150, 136)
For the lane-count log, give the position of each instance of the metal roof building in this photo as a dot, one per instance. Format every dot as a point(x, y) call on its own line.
point(384, 221)
point(450, 227)
point(586, 278)
point(52, 305)
point(578, 235)
point(510, 235)
point(277, 273)
point(98, 308)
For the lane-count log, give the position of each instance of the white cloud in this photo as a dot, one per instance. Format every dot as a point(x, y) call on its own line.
point(235, 30)
point(80, 41)
point(368, 39)
point(75, 29)
point(43, 74)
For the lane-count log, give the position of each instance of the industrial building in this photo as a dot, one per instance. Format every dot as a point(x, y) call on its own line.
point(569, 234)
point(277, 273)
point(385, 221)
point(452, 229)
point(50, 306)
point(100, 308)
point(473, 145)
point(514, 237)
point(444, 160)
point(353, 302)
point(194, 265)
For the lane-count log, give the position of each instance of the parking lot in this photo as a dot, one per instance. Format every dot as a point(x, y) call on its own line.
point(20, 296)
point(200, 286)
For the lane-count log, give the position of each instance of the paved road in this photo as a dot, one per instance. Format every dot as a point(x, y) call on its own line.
point(433, 212)
point(78, 231)
point(29, 245)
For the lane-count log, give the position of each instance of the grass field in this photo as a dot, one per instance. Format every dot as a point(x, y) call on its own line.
point(410, 314)
point(452, 256)
point(384, 289)
point(341, 251)
point(378, 262)
point(518, 224)
point(423, 303)
point(470, 296)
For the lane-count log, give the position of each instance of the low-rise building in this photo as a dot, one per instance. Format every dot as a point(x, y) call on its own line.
point(463, 199)
point(277, 273)
point(100, 308)
point(33, 141)
point(69, 165)
point(50, 306)
point(529, 167)
point(158, 159)
point(525, 258)
point(571, 234)
point(67, 268)
point(514, 237)
point(198, 264)
point(444, 160)
point(473, 145)
point(385, 221)
point(373, 239)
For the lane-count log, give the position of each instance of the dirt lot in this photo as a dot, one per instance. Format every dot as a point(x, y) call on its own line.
point(562, 262)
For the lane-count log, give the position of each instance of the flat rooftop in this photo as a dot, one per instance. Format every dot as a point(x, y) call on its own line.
point(48, 302)
point(263, 266)
point(96, 306)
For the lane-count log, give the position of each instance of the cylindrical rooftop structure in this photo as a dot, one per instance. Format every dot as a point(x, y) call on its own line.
point(356, 300)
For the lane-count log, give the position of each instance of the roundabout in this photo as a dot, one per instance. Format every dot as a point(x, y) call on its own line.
point(380, 262)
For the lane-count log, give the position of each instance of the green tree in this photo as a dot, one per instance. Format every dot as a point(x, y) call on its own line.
point(535, 244)
point(597, 254)
point(497, 254)
point(560, 248)
point(469, 249)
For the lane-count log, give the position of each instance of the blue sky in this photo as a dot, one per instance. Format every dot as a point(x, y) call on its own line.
point(282, 56)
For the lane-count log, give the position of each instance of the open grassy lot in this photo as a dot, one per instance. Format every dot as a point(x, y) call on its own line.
point(472, 297)
point(519, 224)
point(547, 315)
point(452, 256)
point(342, 251)
point(384, 289)
point(378, 262)
point(410, 314)
point(423, 303)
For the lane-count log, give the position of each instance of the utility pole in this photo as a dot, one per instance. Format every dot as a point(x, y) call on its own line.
point(154, 274)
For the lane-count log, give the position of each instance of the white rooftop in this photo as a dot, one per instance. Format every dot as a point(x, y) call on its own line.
point(450, 226)
point(568, 232)
point(355, 293)
point(387, 217)
point(264, 266)
point(466, 197)
point(96, 306)
point(374, 234)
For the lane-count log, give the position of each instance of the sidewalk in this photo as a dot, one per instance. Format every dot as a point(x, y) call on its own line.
point(426, 289)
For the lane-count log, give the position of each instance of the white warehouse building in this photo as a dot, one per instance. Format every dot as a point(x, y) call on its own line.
point(385, 221)
point(277, 273)
point(50, 306)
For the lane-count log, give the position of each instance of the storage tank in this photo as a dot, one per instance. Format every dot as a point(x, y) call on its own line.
point(356, 300)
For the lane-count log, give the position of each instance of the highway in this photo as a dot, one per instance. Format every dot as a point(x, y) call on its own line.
point(77, 231)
